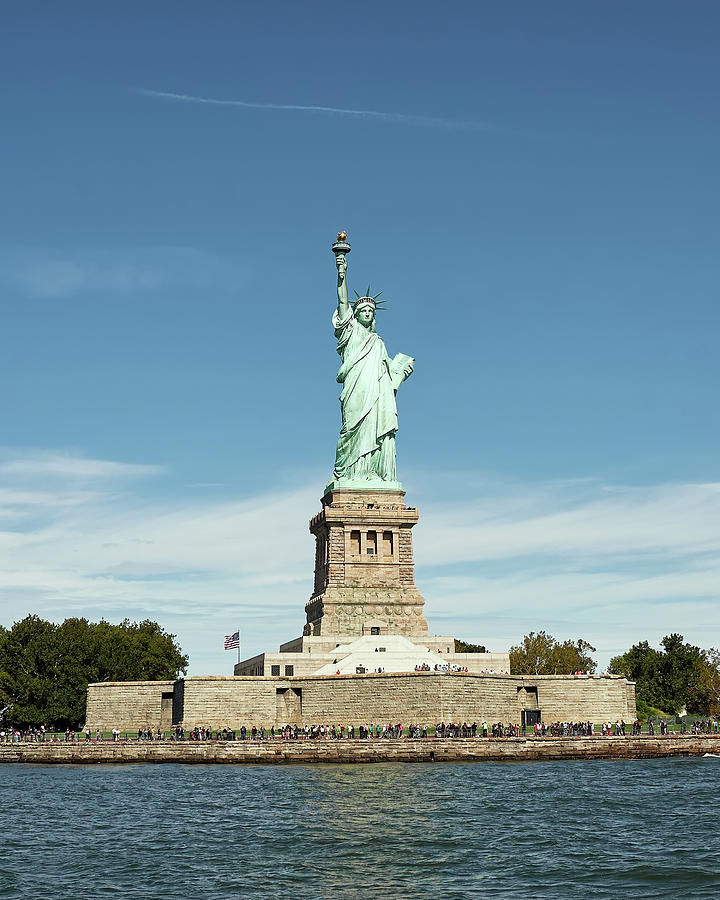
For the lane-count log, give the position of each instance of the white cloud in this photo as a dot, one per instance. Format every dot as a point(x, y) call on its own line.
point(575, 519)
point(69, 467)
point(48, 274)
point(612, 564)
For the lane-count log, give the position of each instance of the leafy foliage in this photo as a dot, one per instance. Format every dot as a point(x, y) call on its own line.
point(464, 647)
point(541, 654)
point(45, 668)
point(676, 677)
point(645, 712)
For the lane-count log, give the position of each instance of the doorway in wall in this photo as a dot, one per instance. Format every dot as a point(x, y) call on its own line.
point(288, 706)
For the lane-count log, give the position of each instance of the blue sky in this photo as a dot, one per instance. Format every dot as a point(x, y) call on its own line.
point(535, 189)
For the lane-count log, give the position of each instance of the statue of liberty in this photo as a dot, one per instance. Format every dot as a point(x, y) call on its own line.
point(366, 447)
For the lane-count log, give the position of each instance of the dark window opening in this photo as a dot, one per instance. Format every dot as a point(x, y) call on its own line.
point(374, 629)
point(274, 670)
point(387, 543)
point(289, 670)
point(355, 543)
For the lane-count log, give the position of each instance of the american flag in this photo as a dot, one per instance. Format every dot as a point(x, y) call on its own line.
point(232, 641)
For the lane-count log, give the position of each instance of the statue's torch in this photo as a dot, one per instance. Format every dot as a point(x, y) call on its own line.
point(341, 246)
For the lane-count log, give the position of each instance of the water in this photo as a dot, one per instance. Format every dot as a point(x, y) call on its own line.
point(551, 829)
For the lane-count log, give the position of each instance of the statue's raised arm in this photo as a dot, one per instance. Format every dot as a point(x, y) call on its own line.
point(341, 262)
point(342, 291)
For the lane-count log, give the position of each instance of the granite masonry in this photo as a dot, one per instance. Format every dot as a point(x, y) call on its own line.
point(365, 654)
point(427, 750)
point(421, 697)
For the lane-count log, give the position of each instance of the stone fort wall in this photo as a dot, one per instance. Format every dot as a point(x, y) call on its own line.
point(427, 698)
point(130, 704)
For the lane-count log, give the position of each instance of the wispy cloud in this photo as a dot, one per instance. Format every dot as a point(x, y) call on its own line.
point(612, 564)
point(362, 114)
point(48, 274)
point(70, 467)
point(575, 520)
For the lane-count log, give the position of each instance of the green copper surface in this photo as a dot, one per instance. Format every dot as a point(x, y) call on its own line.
point(362, 484)
point(365, 455)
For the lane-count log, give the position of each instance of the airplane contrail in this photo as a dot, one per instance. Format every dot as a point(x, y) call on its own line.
point(403, 118)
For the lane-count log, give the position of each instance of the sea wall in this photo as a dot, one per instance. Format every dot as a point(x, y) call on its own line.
point(422, 697)
point(365, 751)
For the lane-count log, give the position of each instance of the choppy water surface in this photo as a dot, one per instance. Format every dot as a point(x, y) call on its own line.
point(546, 829)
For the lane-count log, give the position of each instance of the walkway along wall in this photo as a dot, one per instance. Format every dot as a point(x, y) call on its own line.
point(423, 697)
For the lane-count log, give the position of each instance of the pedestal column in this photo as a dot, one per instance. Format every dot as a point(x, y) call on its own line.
point(364, 571)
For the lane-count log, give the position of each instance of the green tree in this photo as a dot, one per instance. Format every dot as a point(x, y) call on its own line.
point(45, 668)
point(27, 670)
point(643, 665)
point(540, 654)
point(709, 684)
point(679, 676)
point(4, 698)
point(465, 647)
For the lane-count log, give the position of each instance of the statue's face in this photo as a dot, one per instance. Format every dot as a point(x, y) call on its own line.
point(365, 315)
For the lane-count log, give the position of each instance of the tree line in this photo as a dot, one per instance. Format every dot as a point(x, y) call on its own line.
point(679, 677)
point(45, 668)
point(540, 654)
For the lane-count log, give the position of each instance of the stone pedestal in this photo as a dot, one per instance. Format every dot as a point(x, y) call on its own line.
point(364, 571)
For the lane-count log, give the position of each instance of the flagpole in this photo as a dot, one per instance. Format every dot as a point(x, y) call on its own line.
point(239, 642)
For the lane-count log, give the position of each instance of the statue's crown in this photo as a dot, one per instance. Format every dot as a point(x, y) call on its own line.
point(369, 299)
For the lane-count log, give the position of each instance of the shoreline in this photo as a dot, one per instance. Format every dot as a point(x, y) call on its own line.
point(376, 750)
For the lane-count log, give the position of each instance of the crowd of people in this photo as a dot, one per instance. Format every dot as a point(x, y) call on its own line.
point(617, 728)
point(704, 726)
point(40, 735)
point(369, 731)
point(441, 667)
point(564, 729)
point(18, 735)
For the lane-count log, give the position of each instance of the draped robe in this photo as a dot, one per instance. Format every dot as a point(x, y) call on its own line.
point(366, 447)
